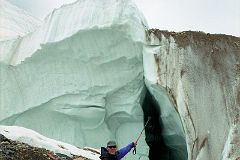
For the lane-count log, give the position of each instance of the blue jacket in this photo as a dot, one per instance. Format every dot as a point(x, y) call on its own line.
point(119, 155)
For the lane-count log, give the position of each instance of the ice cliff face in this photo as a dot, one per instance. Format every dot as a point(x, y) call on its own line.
point(79, 78)
point(15, 21)
point(201, 75)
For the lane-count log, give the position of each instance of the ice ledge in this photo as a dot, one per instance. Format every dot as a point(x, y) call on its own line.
point(63, 23)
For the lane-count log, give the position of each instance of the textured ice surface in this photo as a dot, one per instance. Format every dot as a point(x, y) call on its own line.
point(201, 74)
point(79, 77)
point(15, 21)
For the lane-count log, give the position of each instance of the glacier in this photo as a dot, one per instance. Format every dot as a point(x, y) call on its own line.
point(93, 71)
point(78, 79)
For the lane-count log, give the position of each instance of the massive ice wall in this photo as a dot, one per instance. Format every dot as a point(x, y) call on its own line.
point(201, 74)
point(79, 77)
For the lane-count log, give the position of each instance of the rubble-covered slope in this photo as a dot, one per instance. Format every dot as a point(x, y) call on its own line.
point(201, 74)
point(25, 144)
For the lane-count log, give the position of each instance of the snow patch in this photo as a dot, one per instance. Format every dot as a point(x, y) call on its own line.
point(35, 139)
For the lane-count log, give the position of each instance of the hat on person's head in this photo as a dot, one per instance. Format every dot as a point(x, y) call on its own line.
point(111, 143)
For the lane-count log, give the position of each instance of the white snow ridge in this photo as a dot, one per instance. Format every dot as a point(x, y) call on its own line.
point(35, 139)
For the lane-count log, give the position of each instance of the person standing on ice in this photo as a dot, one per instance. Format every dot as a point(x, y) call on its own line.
point(112, 153)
